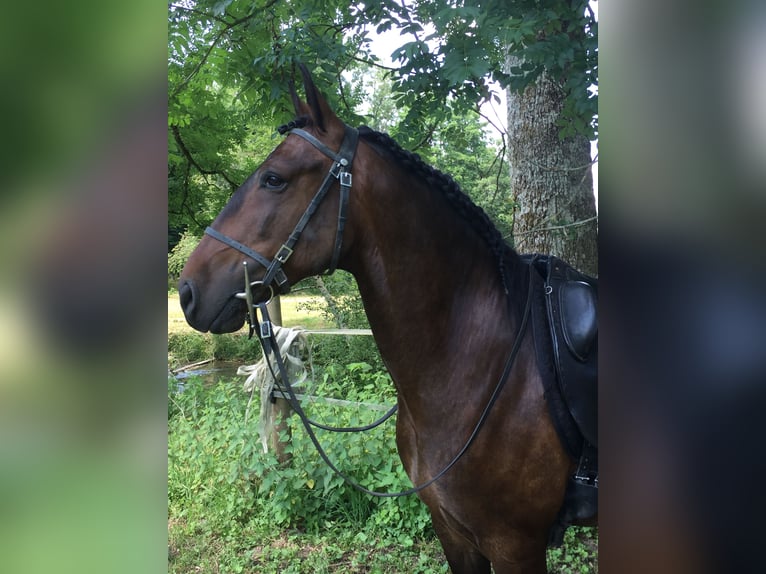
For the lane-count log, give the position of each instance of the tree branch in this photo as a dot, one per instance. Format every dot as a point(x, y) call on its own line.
point(501, 131)
point(428, 136)
point(332, 304)
point(555, 227)
point(217, 39)
point(590, 11)
point(184, 204)
point(199, 12)
point(187, 154)
point(406, 13)
point(343, 92)
point(501, 156)
point(375, 64)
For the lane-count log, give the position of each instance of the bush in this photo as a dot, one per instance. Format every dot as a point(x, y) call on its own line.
point(233, 508)
point(187, 348)
point(180, 253)
point(208, 446)
point(335, 351)
point(216, 468)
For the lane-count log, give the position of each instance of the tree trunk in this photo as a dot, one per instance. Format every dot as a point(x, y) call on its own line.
point(551, 179)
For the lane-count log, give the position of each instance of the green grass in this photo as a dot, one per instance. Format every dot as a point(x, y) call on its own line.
point(336, 551)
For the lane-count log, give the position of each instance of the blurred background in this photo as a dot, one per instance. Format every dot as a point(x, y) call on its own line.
point(82, 321)
point(682, 198)
point(83, 248)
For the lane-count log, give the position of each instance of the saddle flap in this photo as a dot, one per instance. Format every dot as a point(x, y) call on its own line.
point(578, 317)
point(571, 306)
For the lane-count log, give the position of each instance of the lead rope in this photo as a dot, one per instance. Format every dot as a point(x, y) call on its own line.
point(265, 335)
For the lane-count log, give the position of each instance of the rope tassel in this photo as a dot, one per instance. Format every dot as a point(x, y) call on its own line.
point(292, 346)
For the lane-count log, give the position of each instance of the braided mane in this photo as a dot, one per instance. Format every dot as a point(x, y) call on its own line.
point(468, 210)
point(299, 122)
point(481, 223)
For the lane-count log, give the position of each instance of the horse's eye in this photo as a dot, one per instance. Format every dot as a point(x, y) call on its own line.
point(273, 182)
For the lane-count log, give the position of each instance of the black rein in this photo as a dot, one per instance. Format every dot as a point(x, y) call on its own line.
point(341, 170)
point(265, 336)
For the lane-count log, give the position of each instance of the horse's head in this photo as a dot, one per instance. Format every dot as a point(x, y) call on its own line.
point(263, 216)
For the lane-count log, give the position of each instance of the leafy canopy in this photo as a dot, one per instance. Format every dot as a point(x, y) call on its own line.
point(230, 63)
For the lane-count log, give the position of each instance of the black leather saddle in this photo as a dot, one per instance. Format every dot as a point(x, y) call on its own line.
point(569, 332)
point(572, 307)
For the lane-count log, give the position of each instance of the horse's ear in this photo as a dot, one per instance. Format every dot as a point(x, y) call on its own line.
point(300, 107)
point(313, 97)
point(320, 110)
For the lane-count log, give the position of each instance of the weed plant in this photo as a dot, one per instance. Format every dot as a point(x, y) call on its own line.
point(234, 508)
point(223, 487)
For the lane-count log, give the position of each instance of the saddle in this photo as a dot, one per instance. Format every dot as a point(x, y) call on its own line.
point(571, 300)
point(566, 329)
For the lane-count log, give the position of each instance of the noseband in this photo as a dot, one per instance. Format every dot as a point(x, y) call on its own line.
point(340, 170)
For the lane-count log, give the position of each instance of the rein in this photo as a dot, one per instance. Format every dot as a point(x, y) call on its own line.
point(341, 170)
point(265, 335)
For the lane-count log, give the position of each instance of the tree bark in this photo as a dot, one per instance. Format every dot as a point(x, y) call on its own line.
point(551, 179)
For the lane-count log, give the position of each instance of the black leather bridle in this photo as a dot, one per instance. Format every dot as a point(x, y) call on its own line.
point(340, 170)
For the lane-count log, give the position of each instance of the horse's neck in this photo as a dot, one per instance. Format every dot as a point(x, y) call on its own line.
point(430, 287)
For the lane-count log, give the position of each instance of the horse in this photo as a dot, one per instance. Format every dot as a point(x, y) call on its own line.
point(447, 301)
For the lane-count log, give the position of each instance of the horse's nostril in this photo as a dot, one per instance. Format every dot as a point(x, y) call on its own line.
point(186, 296)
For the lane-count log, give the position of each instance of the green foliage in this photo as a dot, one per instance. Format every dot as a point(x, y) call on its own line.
point(462, 150)
point(233, 508)
point(577, 554)
point(376, 98)
point(451, 52)
point(216, 469)
point(180, 253)
point(208, 443)
point(230, 63)
point(186, 348)
point(341, 302)
point(335, 351)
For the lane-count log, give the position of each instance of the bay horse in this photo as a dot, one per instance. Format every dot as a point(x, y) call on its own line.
point(445, 297)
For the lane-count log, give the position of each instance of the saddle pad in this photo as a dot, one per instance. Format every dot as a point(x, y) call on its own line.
point(572, 338)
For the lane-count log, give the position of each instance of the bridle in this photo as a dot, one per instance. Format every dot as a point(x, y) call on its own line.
point(340, 170)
